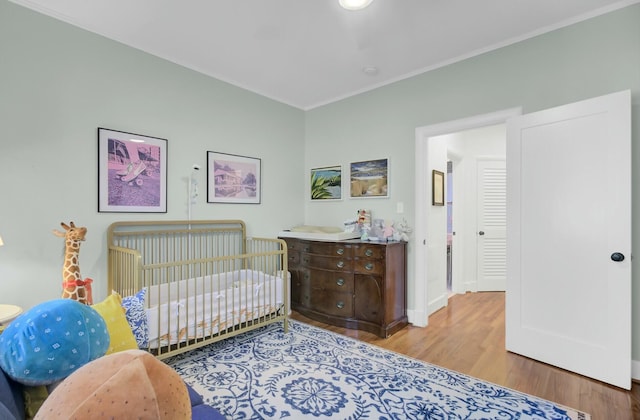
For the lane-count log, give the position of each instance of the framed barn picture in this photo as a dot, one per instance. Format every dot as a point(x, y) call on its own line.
point(233, 178)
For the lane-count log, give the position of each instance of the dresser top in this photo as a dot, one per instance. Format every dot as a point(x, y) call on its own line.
point(348, 241)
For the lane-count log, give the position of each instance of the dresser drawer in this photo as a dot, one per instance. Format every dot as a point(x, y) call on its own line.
point(335, 249)
point(327, 263)
point(293, 258)
point(367, 266)
point(330, 280)
point(370, 251)
point(292, 244)
point(332, 303)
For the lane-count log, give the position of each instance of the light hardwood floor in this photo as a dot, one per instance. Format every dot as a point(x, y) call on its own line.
point(468, 336)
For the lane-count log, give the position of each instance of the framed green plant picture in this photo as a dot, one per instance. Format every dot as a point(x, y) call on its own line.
point(326, 183)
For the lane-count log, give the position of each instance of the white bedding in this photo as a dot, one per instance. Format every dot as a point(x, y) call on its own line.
point(202, 306)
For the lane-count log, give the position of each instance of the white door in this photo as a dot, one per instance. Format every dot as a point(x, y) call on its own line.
point(568, 220)
point(492, 225)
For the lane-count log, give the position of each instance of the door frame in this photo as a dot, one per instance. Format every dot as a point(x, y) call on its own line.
point(418, 316)
point(457, 262)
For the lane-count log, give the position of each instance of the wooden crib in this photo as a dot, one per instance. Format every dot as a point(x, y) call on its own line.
point(202, 281)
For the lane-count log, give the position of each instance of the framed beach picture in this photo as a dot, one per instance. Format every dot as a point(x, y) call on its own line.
point(233, 179)
point(326, 183)
point(132, 172)
point(369, 179)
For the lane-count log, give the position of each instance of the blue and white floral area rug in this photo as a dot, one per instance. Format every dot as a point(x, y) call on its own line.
point(314, 373)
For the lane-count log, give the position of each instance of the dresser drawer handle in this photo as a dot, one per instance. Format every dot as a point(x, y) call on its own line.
point(306, 276)
point(340, 305)
point(340, 251)
point(368, 266)
point(306, 260)
point(306, 249)
point(340, 282)
point(340, 264)
point(368, 252)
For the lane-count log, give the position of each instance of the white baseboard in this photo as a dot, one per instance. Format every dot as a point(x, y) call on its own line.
point(437, 303)
point(420, 318)
point(417, 318)
point(635, 370)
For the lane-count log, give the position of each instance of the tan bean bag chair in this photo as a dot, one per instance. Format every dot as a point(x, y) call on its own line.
point(124, 385)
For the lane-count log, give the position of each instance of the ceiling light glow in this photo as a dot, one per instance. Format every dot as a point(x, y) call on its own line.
point(354, 4)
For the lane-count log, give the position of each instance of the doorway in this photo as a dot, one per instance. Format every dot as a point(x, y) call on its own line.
point(432, 295)
point(476, 209)
point(595, 343)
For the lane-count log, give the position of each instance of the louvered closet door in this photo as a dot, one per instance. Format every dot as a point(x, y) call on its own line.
point(492, 225)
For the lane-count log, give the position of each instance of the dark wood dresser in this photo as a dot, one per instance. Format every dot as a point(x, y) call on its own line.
point(353, 284)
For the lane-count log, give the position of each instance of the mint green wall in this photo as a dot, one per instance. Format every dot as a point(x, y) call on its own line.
point(588, 59)
point(58, 84)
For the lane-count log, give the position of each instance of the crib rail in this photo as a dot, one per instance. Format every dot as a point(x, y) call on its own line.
point(125, 265)
point(204, 280)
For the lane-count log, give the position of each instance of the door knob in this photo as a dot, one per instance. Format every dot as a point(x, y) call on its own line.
point(481, 233)
point(617, 256)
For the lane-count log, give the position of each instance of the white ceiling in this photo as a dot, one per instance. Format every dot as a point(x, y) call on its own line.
point(308, 53)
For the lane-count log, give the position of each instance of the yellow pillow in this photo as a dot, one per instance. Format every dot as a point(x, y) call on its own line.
point(120, 332)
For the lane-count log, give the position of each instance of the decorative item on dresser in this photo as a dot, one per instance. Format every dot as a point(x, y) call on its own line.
point(353, 284)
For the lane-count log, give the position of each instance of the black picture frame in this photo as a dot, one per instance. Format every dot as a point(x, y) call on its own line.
point(132, 172)
point(437, 188)
point(233, 179)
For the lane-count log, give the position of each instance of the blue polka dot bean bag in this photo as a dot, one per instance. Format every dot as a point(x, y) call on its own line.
point(52, 340)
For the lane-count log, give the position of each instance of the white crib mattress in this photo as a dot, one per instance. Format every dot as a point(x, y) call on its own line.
point(202, 306)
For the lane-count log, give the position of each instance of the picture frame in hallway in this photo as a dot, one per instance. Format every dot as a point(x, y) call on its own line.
point(369, 179)
point(233, 179)
point(132, 172)
point(437, 188)
point(326, 183)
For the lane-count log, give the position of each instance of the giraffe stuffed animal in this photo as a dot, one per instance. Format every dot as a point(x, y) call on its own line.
point(72, 284)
